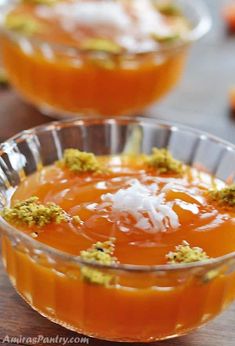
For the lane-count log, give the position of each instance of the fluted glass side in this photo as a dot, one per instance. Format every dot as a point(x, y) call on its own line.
point(161, 301)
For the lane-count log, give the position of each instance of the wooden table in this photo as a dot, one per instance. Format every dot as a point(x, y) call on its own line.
point(201, 100)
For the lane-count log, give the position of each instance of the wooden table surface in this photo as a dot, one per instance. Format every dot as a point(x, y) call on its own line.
point(201, 100)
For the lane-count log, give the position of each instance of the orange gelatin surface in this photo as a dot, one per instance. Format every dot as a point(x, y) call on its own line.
point(62, 66)
point(200, 223)
point(136, 306)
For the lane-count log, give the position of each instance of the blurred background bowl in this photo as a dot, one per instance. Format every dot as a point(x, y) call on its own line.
point(62, 81)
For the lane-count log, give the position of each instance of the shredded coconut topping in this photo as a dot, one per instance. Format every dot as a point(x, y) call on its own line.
point(133, 22)
point(88, 13)
point(146, 204)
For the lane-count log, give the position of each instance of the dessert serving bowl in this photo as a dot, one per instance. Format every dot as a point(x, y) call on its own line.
point(63, 77)
point(143, 303)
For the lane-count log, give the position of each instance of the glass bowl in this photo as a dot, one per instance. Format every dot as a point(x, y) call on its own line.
point(144, 303)
point(62, 81)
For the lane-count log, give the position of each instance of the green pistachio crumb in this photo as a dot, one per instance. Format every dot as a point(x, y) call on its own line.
point(95, 276)
point(32, 213)
point(76, 219)
point(81, 162)
point(40, 2)
point(166, 38)
point(105, 63)
point(163, 162)
point(102, 253)
point(211, 275)
point(22, 24)
point(178, 24)
point(184, 253)
point(102, 45)
point(225, 196)
point(168, 8)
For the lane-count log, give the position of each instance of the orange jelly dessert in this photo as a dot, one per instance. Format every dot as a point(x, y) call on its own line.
point(120, 217)
point(106, 56)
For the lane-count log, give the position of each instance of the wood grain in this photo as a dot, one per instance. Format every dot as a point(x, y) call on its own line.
point(201, 100)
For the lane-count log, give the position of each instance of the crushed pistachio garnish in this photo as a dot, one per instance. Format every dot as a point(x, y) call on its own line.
point(95, 276)
point(225, 196)
point(102, 253)
point(40, 2)
point(22, 24)
point(101, 44)
point(168, 8)
point(163, 161)
point(105, 63)
point(81, 162)
point(32, 213)
point(184, 253)
point(211, 275)
point(166, 39)
point(77, 220)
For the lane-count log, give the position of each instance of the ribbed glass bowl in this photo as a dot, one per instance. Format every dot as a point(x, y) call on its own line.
point(159, 301)
point(63, 80)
